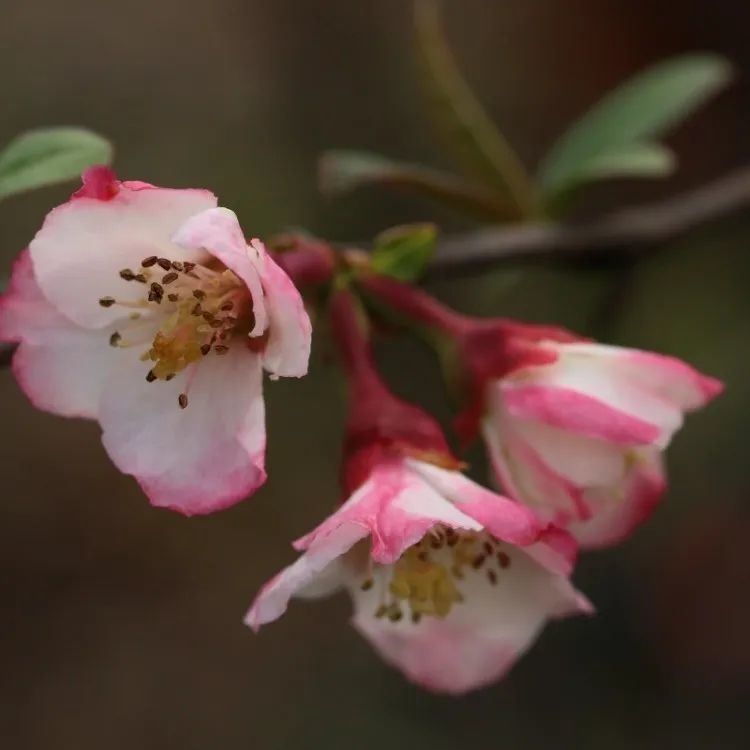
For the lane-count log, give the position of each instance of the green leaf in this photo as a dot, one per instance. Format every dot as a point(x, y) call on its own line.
point(482, 150)
point(49, 156)
point(403, 252)
point(621, 128)
point(342, 171)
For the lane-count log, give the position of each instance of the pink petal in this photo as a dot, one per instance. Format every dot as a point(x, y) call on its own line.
point(60, 367)
point(663, 376)
point(290, 331)
point(273, 598)
point(83, 244)
point(479, 639)
point(195, 460)
point(619, 509)
point(218, 232)
point(503, 518)
point(398, 508)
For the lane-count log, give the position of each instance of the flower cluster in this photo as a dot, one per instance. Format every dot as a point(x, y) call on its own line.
point(146, 309)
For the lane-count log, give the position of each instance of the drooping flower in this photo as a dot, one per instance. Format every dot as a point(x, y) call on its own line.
point(145, 308)
point(450, 582)
point(574, 429)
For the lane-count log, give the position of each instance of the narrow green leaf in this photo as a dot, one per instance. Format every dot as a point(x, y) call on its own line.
point(49, 156)
point(342, 171)
point(482, 150)
point(403, 252)
point(637, 112)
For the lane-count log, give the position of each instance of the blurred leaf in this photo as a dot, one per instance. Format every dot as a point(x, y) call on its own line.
point(481, 148)
point(615, 137)
point(48, 156)
point(342, 171)
point(403, 252)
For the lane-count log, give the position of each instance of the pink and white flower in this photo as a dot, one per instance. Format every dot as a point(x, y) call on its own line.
point(576, 430)
point(145, 308)
point(450, 582)
point(580, 439)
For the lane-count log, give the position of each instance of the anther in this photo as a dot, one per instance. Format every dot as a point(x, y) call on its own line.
point(199, 294)
point(187, 266)
point(173, 297)
point(150, 377)
point(168, 278)
point(205, 349)
point(381, 611)
point(169, 377)
point(148, 262)
point(416, 617)
point(107, 301)
point(157, 288)
point(488, 548)
point(367, 585)
point(177, 265)
point(216, 323)
point(127, 274)
point(140, 278)
point(478, 561)
point(492, 576)
point(164, 263)
point(197, 309)
point(208, 316)
point(220, 349)
point(114, 339)
point(182, 400)
point(503, 559)
point(395, 614)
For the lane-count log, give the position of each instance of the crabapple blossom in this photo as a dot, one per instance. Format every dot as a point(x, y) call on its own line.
point(145, 308)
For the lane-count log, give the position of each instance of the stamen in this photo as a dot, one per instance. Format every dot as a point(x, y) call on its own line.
point(164, 263)
point(170, 277)
point(182, 400)
point(150, 377)
point(177, 266)
point(107, 301)
point(127, 274)
point(114, 339)
point(220, 349)
point(150, 261)
point(199, 294)
point(503, 560)
point(367, 585)
point(173, 297)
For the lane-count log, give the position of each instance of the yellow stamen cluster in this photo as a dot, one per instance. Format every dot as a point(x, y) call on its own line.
point(201, 307)
point(426, 578)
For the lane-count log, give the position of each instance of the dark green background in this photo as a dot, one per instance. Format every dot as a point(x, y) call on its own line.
point(120, 625)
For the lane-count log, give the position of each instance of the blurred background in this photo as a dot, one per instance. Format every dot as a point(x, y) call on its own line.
point(120, 625)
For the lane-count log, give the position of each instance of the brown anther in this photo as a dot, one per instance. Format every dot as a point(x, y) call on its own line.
point(140, 278)
point(422, 556)
point(221, 349)
point(168, 278)
point(436, 542)
point(199, 294)
point(127, 274)
point(227, 306)
point(187, 266)
point(503, 560)
point(416, 617)
point(452, 540)
point(157, 288)
point(205, 349)
point(488, 548)
point(177, 266)
point(381, 611)
point(394, 615)
point(478, 561)
point(169, 377)
point(150, 377)
point(148, 262)
point(182, 400)
point(164, 263)
point(107, 301)
point(216, 323)
point(367, 585)
point(492, 576)
point(114, 339)
point(208, 316)
point(155, 297)
point(197, 309)
point(173, 297)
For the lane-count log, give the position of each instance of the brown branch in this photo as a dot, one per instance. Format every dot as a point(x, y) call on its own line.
point(628, 233)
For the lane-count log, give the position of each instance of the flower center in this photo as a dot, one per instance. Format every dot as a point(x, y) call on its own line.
point(201, 309)
point(427, 577)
